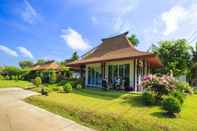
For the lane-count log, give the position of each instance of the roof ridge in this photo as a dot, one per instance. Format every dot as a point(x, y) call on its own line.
point(122, 34)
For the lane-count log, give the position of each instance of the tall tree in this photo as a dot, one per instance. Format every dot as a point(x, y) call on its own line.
point(25, 64)
point(75, 56)
point(175, 56)
point(194, 66)
point(194, 53)
point(134, 40)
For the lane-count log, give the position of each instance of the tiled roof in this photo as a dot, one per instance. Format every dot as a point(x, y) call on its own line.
point(115, 48)
point(46, 66)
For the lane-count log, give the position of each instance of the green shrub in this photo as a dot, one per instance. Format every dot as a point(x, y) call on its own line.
point(53, 77)
point(148, 98)
point(57, 88)
point(195, 90)
point(1, 77)
point(78, 86)
point(7, 77)
point(184, 87)
point(37, 81)
point(67, 87)
point(171, 105)
point(179, 96)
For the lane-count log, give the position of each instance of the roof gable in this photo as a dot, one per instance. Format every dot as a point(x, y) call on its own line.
point(114, 45)
point(114, 48)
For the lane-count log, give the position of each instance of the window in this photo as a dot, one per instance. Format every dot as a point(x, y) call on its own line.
point(119, 71)
point(94, 75)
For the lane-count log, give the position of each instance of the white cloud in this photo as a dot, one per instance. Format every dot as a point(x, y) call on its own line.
point(8, 51)
point(112, 14)
point(74, 39)
point(179, 18)
point(25, 52)
point(172, 18)
point(29, 14)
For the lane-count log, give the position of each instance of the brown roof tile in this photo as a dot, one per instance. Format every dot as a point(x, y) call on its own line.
point(114, 48)
point(46, 66)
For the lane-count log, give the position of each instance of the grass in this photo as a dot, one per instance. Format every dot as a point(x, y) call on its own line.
point(14, 83)
point(116, 111)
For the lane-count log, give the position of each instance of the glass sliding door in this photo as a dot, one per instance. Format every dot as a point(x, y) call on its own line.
point(94, 76)
point(119, 71)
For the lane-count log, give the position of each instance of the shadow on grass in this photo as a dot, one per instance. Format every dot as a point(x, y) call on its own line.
point(159, 114)
point(165, 115)
point(99, 93)
point(133, 100)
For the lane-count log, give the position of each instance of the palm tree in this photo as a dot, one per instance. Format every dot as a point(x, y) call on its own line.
point(134, 40)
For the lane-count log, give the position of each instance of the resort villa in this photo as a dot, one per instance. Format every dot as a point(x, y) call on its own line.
point(116, 60)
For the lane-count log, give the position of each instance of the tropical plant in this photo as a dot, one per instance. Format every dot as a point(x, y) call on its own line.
point(134, 40)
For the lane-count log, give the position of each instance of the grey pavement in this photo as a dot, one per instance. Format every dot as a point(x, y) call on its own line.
point(17, 115)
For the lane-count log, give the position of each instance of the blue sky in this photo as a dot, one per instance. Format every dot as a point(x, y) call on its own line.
point(53, 29)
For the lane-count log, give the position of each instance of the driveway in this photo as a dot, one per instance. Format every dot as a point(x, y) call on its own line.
point(16, 115)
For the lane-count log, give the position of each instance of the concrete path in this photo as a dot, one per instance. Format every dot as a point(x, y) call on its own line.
point(16, 115)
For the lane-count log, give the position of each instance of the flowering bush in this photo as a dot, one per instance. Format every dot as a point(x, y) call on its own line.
point(159, 85)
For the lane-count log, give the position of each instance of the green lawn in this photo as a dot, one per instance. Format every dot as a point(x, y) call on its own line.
point(14, 83)
point(117, 111)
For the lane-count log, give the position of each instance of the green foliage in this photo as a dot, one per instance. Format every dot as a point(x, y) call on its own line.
point(159, 85)
point(53, 77)
point(25, 64)
point(1, 77)
point(171, 105)
point(67, 87)
point(184, 87)
point(12, 72)
point(133, 39)
point(179, 96)
point(75, 56)
point(148, 98)
point(79, 86)
point(175, 56)
point(37, 81)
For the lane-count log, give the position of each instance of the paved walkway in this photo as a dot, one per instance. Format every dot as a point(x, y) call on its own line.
point(16, 115)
